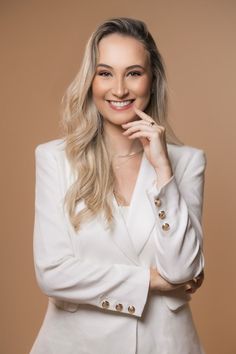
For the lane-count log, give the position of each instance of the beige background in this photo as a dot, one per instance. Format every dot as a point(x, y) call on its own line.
point(42, 44)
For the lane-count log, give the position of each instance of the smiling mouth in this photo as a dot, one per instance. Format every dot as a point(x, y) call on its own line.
point(120, 104)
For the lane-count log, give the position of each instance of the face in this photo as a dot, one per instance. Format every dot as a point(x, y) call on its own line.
point(122, 79)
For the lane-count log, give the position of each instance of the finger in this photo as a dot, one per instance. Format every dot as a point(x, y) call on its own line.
point(190, 291)
point(191, 287)
point(200, 277)
point(143, 115)
point(198, 282)
point(135, 122)
point(141, 134)
point(151, 123)
point(136, 128)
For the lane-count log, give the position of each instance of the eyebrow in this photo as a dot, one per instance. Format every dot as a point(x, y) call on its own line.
point(128, 68)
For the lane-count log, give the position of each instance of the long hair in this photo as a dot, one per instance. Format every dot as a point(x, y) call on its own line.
point(84, 141)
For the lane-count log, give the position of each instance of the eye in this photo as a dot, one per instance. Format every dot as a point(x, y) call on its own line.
point(104, 73)
point(134, 73)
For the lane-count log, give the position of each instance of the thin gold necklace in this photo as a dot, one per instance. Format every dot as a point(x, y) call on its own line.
point(128, 156)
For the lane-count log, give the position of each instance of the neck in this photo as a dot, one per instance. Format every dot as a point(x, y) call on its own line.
point(117, 143)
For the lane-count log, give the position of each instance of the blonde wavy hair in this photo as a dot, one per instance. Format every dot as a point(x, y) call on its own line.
point(84, 142)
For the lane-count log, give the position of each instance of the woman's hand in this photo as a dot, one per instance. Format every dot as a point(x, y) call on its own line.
point(195, 283)
point(160, 284)
point(153, 139)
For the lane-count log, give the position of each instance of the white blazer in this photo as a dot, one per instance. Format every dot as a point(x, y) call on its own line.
point(97, 280)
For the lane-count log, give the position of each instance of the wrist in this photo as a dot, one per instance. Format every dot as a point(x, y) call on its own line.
point(163, 163)
point(164, 171)
point(163, 176)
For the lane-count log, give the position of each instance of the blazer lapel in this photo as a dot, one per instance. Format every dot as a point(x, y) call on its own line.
point(121, 237)
point(141, 220)
point(132, 235)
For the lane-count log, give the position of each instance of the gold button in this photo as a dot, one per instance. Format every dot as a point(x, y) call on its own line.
point(165, 227)
point(162, 214)
point(157, 202)
point(105, 304)
point(119, 307)
point(131, 309)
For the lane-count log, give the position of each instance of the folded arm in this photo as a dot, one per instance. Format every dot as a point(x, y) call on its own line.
point(178, 210)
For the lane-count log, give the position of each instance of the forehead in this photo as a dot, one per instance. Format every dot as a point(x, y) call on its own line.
point(119, 50)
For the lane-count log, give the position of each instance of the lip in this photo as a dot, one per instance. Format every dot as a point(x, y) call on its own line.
point(121, 108)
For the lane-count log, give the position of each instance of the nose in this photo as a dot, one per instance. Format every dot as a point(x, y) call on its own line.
point(119, 88)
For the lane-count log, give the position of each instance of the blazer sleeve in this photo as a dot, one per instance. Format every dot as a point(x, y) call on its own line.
point(178, 209)
point(60, 273)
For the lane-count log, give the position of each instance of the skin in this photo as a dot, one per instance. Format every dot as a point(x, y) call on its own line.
point(123, 74)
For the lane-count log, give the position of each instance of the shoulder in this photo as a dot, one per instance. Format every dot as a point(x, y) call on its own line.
point(53, 147)
point(185, 152)
point(50, 157)
point(184, 157)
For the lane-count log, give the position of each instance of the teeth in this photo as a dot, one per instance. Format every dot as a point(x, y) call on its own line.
point(120, 103)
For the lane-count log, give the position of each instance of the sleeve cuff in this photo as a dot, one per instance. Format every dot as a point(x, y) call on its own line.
point(137, 300)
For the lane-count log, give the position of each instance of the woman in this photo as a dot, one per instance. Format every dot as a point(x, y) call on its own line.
point(118, 237)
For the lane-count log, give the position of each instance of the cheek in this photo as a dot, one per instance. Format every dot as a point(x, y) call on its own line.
point(143, 87)
point(99, 88)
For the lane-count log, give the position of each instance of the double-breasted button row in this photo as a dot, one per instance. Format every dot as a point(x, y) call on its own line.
point(118, 307)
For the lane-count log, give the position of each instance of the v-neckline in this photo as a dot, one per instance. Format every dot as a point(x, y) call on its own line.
point(139, 219)
point(135, 185)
